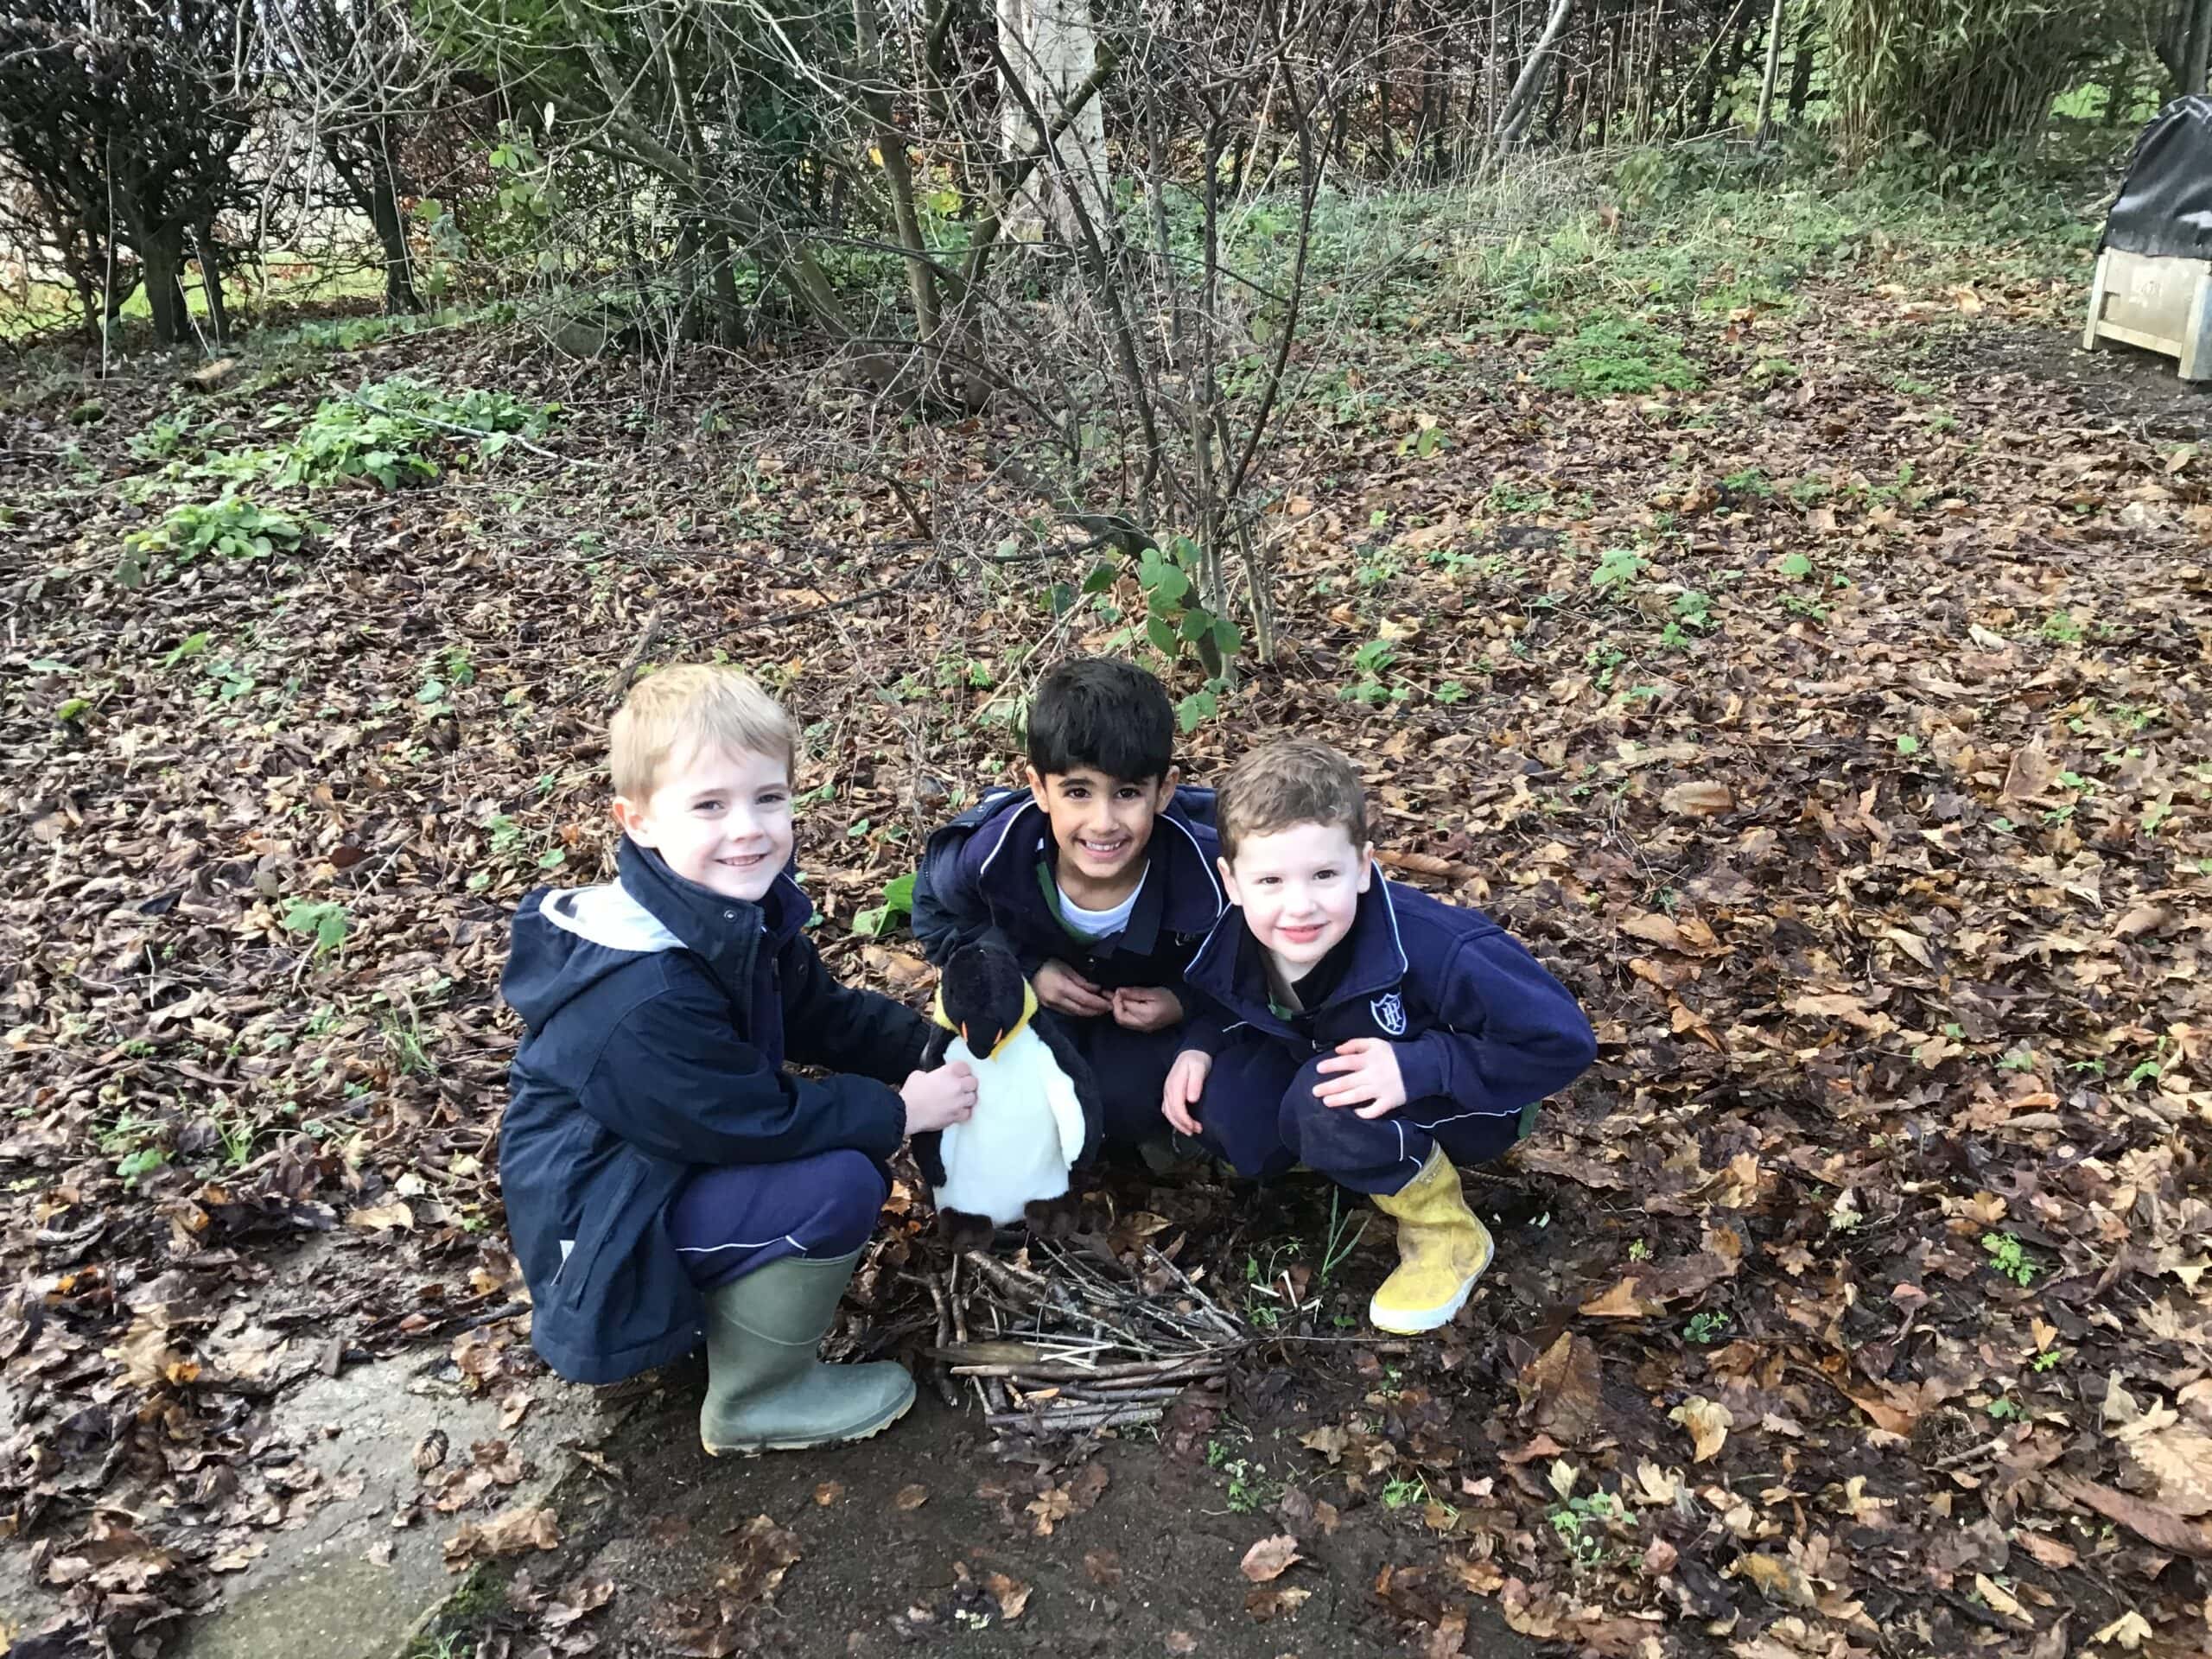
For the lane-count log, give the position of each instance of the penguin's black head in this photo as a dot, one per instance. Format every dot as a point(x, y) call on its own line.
point(983, 995)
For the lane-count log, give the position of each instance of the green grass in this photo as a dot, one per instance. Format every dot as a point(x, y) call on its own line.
point(246, 294)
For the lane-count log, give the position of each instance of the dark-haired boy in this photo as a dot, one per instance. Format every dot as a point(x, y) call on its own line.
point(1099, 878)
point(1363, 1029)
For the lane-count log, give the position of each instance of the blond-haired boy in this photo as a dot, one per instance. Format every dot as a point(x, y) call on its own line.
point(1364, 1029)
point(668, 1182)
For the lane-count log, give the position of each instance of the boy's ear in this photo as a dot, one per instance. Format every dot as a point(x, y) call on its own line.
point(1366, 866)
point(1228, 881)
point(1036, 780)
point(1169, 781)
point(630, 818)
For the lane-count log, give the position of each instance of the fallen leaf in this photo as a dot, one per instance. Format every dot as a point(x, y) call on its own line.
point(1103, 1567)
point(1621, 1302)
point(763, 1553)
point(1329, 1440)
point(1270, 1558)
point(2179, 1459)
point(1999, 1599)
point(1559, 1389)
point(2030, 773)
point(382, 1217)
point(2147, 1521)
point(1180, 1642)
point(2131, 1630)
point(908, 1498)
point(1267, 1601)
point(1447, 1638)
point(1708, 1422)
point(2050, 1551)
point(1698, 800)
point(829, 1492)
point(1776, 1578)
point(506, 1534)
point(1011, 1594)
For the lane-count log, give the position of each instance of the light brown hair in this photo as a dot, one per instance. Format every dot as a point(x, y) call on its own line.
point(1292, 782)
point(693, 705)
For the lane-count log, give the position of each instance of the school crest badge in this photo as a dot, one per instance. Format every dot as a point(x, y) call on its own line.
point(1389, 1011)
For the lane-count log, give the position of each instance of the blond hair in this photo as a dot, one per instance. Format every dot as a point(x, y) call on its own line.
point(692, 707)
point(1281, 784)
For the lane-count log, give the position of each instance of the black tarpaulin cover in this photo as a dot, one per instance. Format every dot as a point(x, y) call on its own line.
point(2165, 202)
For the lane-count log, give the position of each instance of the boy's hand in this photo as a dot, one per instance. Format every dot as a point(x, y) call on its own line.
point(1366, 1077)
point(1139, 1009)
point(1187, 1081)
point(936, 1100)
point(1062, 989)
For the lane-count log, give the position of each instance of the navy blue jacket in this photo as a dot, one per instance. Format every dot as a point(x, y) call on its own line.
point(1476, 1019)
point(979, 881)
point(660, 1015)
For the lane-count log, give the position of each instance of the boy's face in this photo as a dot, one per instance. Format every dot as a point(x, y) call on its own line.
point(1299, 889)
point(1101, 824)
point(720, 818)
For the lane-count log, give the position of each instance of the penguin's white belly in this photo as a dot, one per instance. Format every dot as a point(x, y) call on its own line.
point(1014, 1149)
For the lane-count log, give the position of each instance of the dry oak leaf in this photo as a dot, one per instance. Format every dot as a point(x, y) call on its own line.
point(1270, 1558)
point(909, 1497)
point(379, 1218)
point(1708, 1422)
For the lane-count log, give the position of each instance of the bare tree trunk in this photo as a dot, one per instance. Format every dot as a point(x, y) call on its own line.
point(2199, 55)
point(1800, 72)
point(1521, 102)
point(891, 144)
point(1053, 48)
point(161, 252)
point(1773, 73)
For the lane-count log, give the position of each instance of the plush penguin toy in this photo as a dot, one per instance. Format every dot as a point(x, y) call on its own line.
point(1036, 1109)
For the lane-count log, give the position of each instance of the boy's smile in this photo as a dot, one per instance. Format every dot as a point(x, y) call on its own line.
point(1299, 890)
point(1101, 826)
point(720, 818)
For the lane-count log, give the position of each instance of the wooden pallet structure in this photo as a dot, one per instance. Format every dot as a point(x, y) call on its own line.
point(2163, 304)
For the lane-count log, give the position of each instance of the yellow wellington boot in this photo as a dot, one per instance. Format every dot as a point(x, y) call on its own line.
point(1442, 1251)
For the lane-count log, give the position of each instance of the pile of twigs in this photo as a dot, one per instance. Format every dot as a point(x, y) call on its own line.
point(1066, 1340)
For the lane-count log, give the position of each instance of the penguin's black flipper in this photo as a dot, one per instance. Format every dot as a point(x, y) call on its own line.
point(929, 1157)
point(1062, 1048)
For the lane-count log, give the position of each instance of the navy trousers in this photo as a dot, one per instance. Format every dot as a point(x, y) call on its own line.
point(726, 1223)
point(1259, 1112)
point(1130, 1068)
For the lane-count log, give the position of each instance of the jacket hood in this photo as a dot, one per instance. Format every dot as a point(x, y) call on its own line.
point(566, 940)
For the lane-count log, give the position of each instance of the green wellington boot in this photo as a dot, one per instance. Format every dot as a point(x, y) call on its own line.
point(766, 1390)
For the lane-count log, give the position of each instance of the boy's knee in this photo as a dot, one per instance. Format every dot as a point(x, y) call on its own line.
point(850, 1194)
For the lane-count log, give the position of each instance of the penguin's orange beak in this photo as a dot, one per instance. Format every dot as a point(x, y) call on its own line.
point(963, 1034)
